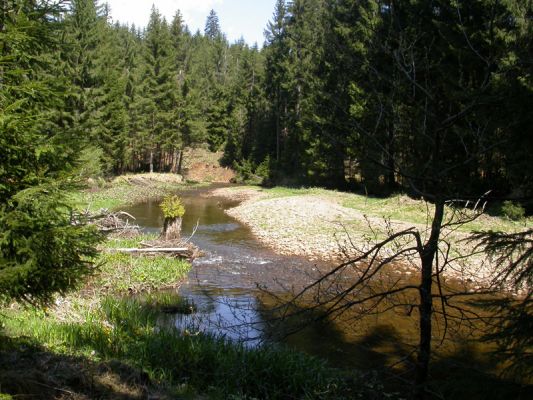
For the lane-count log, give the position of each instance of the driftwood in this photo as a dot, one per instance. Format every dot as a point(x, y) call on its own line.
point(116, 223)
point(152, 250)
point(184, 251)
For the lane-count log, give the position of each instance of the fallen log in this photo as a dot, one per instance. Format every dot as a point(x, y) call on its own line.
point(152, 250)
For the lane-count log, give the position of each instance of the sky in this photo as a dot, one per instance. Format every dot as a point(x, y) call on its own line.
point(238, 18)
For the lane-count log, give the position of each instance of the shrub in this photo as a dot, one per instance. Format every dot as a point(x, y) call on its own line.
point(172, 207)
point(263, 169)
point(513, 210)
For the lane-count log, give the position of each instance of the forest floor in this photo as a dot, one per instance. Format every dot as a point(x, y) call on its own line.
point(330, 225)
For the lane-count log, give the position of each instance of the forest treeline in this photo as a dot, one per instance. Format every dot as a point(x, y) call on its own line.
point(369, 93)
point(431, 97)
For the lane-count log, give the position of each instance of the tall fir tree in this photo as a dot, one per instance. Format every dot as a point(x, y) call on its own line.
point(41, 251)
point(157, 90)
point(212, 26)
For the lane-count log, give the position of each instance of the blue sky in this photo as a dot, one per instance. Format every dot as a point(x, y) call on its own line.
point(246, 18)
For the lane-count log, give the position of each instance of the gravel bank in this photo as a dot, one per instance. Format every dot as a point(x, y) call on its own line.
point(319, 228)
point(313, 226)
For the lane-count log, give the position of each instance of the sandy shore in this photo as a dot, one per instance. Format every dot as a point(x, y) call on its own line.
point(320, 228)
point(313, 226)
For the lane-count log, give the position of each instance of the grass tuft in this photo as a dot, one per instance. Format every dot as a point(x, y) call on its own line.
point(127, 330)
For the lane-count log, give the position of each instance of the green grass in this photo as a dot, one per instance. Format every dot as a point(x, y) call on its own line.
point(118, 194)
point(125, 272)
point(122, 192)
point(402, 208)
point(127, 330)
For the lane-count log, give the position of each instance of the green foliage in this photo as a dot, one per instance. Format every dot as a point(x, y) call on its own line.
point(130, 330)
point(172, 207)
point(123, 272)
point(263, 169)
point(244, 169)
point(513, 211)
point(42, 250)
point(90, 163)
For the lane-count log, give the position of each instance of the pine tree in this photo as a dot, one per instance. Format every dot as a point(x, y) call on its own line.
point(276, 52)
point(83, 39)
point(110, 101)
point(212, 26)
point(41, 251)
point(157, 90)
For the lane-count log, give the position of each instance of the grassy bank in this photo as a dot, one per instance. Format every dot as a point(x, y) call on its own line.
point(130, 189)
point(129, 332)
point(114, 338)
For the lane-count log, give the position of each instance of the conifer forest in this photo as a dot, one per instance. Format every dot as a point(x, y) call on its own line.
point(424, 100)
point(342, 92)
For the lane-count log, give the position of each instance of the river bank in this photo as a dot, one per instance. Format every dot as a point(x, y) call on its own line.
point(327, 225)
point(109, 339)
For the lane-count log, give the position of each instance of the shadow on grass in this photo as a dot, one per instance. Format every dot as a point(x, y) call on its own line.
point(134, 358)
point(29, 371)
point(128, 330)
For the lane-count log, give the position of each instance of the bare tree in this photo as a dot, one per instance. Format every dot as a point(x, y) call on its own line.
point(425, 81)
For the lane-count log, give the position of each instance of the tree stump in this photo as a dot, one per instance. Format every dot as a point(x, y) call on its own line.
point(172, 229)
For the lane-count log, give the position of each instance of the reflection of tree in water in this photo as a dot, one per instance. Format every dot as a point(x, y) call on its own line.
point(229, 313)
point(346, 341)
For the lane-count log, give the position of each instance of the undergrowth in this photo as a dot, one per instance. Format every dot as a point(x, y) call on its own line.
point(127, 330)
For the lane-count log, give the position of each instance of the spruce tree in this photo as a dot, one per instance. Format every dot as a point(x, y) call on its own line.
point(42, 252)
point(157, 90)
point(212, 26)
point(276, 53)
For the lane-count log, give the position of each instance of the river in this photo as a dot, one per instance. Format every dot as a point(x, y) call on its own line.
point(232, 284)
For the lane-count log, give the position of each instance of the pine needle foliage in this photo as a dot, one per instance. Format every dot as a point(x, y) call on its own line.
point(43, 250)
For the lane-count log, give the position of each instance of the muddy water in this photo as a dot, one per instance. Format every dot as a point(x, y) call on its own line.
point(231, 286)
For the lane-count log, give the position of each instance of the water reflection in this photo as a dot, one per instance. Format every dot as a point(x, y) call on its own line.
point(223, 284)
point(231, 314)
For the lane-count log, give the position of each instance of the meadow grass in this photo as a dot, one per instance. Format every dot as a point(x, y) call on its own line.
point(127, 329)
point(121, 272)
point(397, 207)
point(128, 190)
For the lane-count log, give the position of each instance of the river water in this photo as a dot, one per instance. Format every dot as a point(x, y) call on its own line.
point(235, 283)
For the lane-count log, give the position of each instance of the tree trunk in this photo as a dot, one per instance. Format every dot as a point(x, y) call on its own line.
point(151, 161)
point(172, 229)
point(180, 162)
point(426, 302)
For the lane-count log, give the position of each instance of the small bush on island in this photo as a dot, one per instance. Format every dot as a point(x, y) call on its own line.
point(172, 207)
point(173, 210)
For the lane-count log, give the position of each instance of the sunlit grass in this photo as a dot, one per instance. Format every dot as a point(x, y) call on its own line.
point(122, 271)
point(397, 207)
point(127, 190)
point(127, 330)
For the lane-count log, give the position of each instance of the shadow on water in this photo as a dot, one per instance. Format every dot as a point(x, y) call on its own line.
point(223, 286)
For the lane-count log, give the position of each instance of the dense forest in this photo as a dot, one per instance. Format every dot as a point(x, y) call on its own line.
point(430, 98)
point(379, 95)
